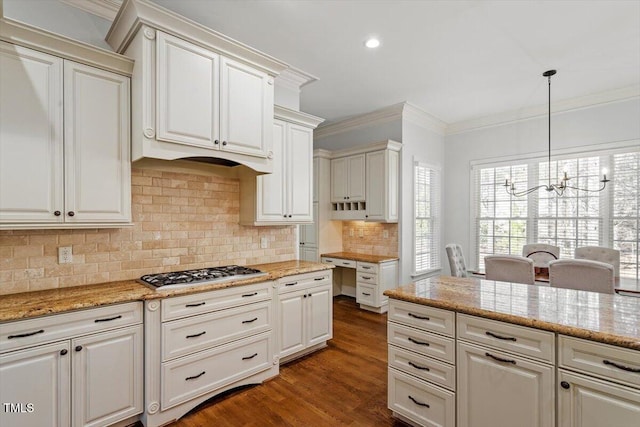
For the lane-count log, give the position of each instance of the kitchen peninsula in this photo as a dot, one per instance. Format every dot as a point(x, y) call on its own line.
point(465, 351)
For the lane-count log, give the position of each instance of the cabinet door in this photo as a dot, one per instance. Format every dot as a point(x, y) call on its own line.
point(97, 148)
point(499, 390)
point(246, 109)
point(300, 165)
point(375, 187)
point(589, 402)
point(271, 188)
point(309, 254)
point(339, 177)
point(319, 315)
point(291, 333)
point(188, 93)
point(356, 181)
point(309, 232)
point(316, 179)
point(107, 377)
point(31, 162)
point(36, 383)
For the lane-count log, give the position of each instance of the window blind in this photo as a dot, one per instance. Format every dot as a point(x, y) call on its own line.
point(427, 218)
point(625, 218)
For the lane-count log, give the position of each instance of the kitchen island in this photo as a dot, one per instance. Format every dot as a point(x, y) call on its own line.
point(466, 351)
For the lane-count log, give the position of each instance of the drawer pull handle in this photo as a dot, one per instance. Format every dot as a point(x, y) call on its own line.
point(366, 277)
point(250, 357)
point(366, 268)
point(500, 337)
point(28, 334)
point(500, 359)
point(318, 278)
point(328, 260)
point(366, 294)
point(195, 376)
point(624, 368)
point(415, 316)
point(108, 319)
point(422, 368)
point(291, 284)
point(426, 405)
point(418, 342)
point(250, 321)
point(249, 295)
point(195, 305)
point(196, 335)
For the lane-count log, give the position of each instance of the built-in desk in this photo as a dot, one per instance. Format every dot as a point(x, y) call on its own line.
point(364, 277)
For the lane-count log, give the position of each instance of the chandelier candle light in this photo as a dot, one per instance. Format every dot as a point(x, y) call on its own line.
point(563, 184)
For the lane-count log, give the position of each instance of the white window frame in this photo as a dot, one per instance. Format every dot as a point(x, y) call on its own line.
point(437, 235)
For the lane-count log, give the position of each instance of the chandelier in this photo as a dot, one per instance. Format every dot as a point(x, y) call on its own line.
point(563, 184)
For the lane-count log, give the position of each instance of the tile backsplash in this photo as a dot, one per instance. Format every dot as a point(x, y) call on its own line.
point(369, 238)
point(182, 221)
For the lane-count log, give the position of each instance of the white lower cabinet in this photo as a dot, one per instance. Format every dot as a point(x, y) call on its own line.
point(305, 313)
point(81, 380)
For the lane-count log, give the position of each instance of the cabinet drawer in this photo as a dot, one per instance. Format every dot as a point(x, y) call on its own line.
point(517, 339)
point(192, 376)
point(421, 402)
point(367, 267)
point(423, 367)
point(24, 333)
point(423, 317)
point(327, 260)
point(422, 342)
point(303, 281)
point(607, 361)
point(204, 302)
point(184, 336)
point(348, 263)
point(367, 278)
point(367, 294)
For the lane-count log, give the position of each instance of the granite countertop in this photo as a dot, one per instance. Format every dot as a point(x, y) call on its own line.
point(31, 304)
point(360, 257)
point(610, 319)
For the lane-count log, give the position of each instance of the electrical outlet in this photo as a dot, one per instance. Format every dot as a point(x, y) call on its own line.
point(65, 255)
point(385, 234)
point(264, 243)
point(351, 232)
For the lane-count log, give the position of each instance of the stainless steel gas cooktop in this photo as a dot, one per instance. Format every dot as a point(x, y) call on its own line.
point(199, 277)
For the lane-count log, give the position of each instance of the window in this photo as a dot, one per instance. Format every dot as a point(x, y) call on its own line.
point(427, 218)
point(503, 223)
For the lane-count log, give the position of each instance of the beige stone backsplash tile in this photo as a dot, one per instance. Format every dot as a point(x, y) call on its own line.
point(181, 221)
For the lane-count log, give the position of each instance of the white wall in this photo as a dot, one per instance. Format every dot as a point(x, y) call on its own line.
point(59, 18)
point(608, 123)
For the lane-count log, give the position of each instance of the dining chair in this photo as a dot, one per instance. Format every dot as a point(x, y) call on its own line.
point(600, 253)
point(509, 268)
point(456, 260)
point(582, 274)
point(541, 253)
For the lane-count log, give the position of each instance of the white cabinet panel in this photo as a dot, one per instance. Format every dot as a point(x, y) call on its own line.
point(107, 380)
point(38, 376)
point(188, 91)
point(291, 324)
point(348, 179)
point(272, 188)
point(339, 177)
point(300, 158)
point(31, 136)
point(319, 317)
point(97, 163)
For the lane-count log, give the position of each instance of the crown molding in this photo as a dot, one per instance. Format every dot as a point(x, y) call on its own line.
point(376, 146)
point(297, 117)
point(322, 153)
point(383, 115)
point(588, 101)
point(294, 79)
point(417, 116)
point(107, 9)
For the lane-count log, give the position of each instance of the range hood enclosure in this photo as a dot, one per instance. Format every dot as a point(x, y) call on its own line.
point(195, 92)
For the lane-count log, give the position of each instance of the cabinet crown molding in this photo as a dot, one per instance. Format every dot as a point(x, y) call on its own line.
point(376, 146)
point(297, 117)
point(135, 13)
point(21, 34)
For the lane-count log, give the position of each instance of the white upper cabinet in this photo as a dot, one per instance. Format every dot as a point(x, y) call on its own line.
point(196, 93)
point(64, 143)
point(382, 186)
point(347, 179)
point(284, 196)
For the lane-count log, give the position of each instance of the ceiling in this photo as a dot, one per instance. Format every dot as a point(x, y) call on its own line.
point(456, 60)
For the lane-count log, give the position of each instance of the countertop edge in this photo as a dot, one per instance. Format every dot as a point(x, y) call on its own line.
point(361, 257)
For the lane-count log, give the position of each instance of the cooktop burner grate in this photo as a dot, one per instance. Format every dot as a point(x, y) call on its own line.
point(200, 276)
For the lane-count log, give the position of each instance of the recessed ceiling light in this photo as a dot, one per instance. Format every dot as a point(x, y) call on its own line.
point(372, 43)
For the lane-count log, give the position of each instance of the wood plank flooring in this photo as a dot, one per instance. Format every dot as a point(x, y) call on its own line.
point(344, 384)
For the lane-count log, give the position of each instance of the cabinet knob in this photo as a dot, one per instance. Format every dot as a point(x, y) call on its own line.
point(57, 213)
point(63, 352)
point(347, 197)
point(366, 216)
point(71, 213)
point(224, 142)
point(565, 385)
point(289, 216)
point(78, 348)
point(216, 142)
point(285, 215)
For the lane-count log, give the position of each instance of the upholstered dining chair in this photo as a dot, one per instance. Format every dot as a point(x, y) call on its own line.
point(509, 268)
point(602, 254)
point(541, 253)
point(456, 260)
point(582, 274)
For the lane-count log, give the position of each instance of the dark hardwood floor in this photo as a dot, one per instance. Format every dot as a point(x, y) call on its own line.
point(344, 384)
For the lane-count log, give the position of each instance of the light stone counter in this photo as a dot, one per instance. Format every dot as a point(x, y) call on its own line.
point(609, 319)
point(360, 257)
point(39, 303)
